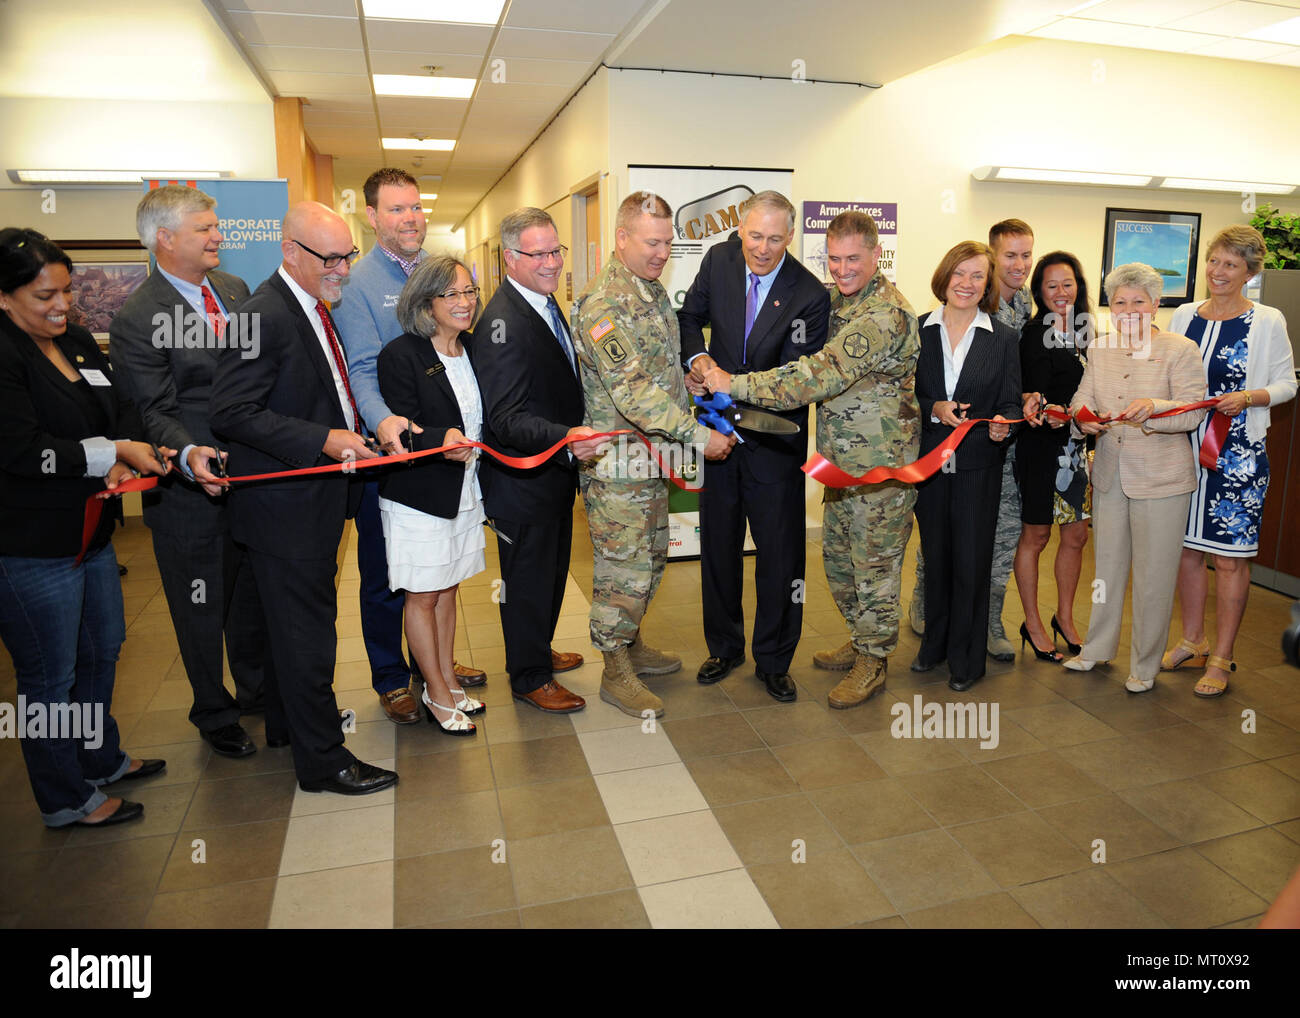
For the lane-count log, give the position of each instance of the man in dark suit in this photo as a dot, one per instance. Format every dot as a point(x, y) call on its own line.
point(291, 407)
point(528, 375)
point(165, 344)
point(765, 309)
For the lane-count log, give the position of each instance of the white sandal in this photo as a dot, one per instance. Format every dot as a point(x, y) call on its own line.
point(457, 724)
point(1080, 664)
point(1135, 685)
point(466, 704)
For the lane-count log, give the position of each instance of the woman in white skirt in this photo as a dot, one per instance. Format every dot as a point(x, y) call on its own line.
point(432, 511)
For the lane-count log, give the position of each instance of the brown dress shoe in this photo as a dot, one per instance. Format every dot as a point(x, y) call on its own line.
point(468, 676)
point(400, 706)
point(552, 698)
point(564, 662)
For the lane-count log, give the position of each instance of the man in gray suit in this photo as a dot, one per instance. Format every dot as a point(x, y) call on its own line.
point(165, 344)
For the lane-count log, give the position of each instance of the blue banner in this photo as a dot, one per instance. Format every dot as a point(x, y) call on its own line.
point(250, 212)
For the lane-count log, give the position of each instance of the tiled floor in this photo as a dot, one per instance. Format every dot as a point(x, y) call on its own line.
point(1096, 808)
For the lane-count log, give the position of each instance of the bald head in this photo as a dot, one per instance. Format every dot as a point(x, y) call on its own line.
point(310, 235)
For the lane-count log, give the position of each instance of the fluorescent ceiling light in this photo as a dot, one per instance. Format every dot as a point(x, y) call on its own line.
point(1284, 31)
point(456, 12)
point(424, 86)
point(109, 176)
point(1231, 186)
point(420, 145)
point(1036, 176)
point(428, 197)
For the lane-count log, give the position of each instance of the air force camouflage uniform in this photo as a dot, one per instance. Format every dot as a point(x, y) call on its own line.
point(865, 377)
point(630, 350)
point(1007, 537)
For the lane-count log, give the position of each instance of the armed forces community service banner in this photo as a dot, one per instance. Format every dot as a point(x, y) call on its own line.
point(817, 215)
point(706, 211)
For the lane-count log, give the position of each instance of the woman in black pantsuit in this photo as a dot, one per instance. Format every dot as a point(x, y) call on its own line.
point(969, 368)
point(1051, 466)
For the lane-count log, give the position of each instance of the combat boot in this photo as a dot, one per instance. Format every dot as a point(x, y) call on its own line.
point(648, 661)
point(620, 687)
point(999, 647)
point(865, 679)
point(836, 660)
point(916, 612)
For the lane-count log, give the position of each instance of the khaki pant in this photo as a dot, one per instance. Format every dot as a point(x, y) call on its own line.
point(1146, 533)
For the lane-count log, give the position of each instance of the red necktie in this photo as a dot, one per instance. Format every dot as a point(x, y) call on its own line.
point(215, 318)
point(324, 313)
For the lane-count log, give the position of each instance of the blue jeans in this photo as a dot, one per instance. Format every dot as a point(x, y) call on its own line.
point(63, 626)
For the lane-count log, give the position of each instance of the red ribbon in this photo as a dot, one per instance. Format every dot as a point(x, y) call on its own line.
point(821, 469)
point(95, 504)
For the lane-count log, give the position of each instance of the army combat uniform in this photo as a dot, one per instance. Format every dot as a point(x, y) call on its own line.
point(1007, 536)
point(865, 377)
point(630, 351)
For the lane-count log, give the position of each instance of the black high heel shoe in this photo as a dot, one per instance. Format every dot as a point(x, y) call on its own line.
point(1074, 648)
point(1042, 655)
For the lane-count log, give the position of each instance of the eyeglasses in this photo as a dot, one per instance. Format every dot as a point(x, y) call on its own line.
point(541, 256)
point(330, 261)
point(470, 294)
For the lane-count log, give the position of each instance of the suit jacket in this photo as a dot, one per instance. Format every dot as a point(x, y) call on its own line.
point(43, 482)
point(793, 321)
point(1154, 460)
point(989, 382)
point(171, 386)
point(413, 382)
point(275, 412)
point(531, 398)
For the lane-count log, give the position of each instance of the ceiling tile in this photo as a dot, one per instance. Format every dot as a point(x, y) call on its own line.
point(1147, 12)
point(423, 37)
point(296, 58)
point(338, 104)
point(609, 16)
point(457, 65)
point(1242, 49)
point(1236, 18)
point(1291, 58)
point(299, 83)
point(544, 72)
point(528, 42)
point(337, 8)
point(523, 92)
point(296, 30)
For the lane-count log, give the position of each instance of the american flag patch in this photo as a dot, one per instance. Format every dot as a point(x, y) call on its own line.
point(601, 329)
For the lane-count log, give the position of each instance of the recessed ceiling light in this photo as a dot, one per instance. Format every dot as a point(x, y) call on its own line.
point(420, 144)
point(424, 86)
point(428, 197)
point(456, 12)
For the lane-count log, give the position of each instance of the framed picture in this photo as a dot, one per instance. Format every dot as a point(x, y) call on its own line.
point(1167, 241)
point(104, 274)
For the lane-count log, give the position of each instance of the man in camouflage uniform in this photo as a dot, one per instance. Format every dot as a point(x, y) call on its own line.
point(868, 417)
point(629, 349)
point(1012, 242)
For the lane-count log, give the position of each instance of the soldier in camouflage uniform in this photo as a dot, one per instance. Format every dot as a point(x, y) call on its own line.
point(864, 379)
point(1012, 242)
point(629, 349)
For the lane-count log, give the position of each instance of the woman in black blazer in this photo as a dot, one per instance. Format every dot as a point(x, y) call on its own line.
point(1051, 466)
point(969, 368)
point(66, 431)
point(432, 513)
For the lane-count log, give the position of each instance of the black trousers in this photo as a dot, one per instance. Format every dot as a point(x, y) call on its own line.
point(210, 591)
point(775, 510)
point(958, 515)
point(301, 606)
point(534, 569)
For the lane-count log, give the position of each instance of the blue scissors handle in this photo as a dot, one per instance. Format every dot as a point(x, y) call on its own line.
point(712, 416)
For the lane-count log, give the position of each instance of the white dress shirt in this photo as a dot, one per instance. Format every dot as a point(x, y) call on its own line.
point(953, 360)
point(540, 302)
point(308, 303)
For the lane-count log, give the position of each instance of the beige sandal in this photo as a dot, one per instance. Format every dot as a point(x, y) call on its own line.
point(1216, 686)
point(1194, 655)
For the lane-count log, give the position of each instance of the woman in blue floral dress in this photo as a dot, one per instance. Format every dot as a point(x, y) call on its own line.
point(1248, 367)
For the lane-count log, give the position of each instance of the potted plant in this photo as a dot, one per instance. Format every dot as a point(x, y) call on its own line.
point(1281, 237)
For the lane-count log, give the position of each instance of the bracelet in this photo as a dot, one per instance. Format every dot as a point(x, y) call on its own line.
point(1250, 397)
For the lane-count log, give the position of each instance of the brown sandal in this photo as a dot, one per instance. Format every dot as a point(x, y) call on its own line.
point(1195, 656)
point(1217, 686)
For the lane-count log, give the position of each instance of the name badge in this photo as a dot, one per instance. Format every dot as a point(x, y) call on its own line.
point(439, 367)
point(95, 377)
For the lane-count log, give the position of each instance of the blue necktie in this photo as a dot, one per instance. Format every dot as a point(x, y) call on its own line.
point(751, 312)
point(557, 326)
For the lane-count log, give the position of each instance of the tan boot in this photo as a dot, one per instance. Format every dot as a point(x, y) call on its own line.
point(648, 661)
point(836, 660)
point(865, 679)
point(620, 687)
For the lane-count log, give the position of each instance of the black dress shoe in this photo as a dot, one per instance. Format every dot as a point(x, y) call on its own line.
point(277, 738)
point(124, 813)
point(715, 669)
point(961, 685)
point(356, 779)
point(230, 740)
point(920, 666)
point(147, 769)
point(779, 685)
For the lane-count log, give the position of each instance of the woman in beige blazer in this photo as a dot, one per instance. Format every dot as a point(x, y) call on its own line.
point(1144, 470)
